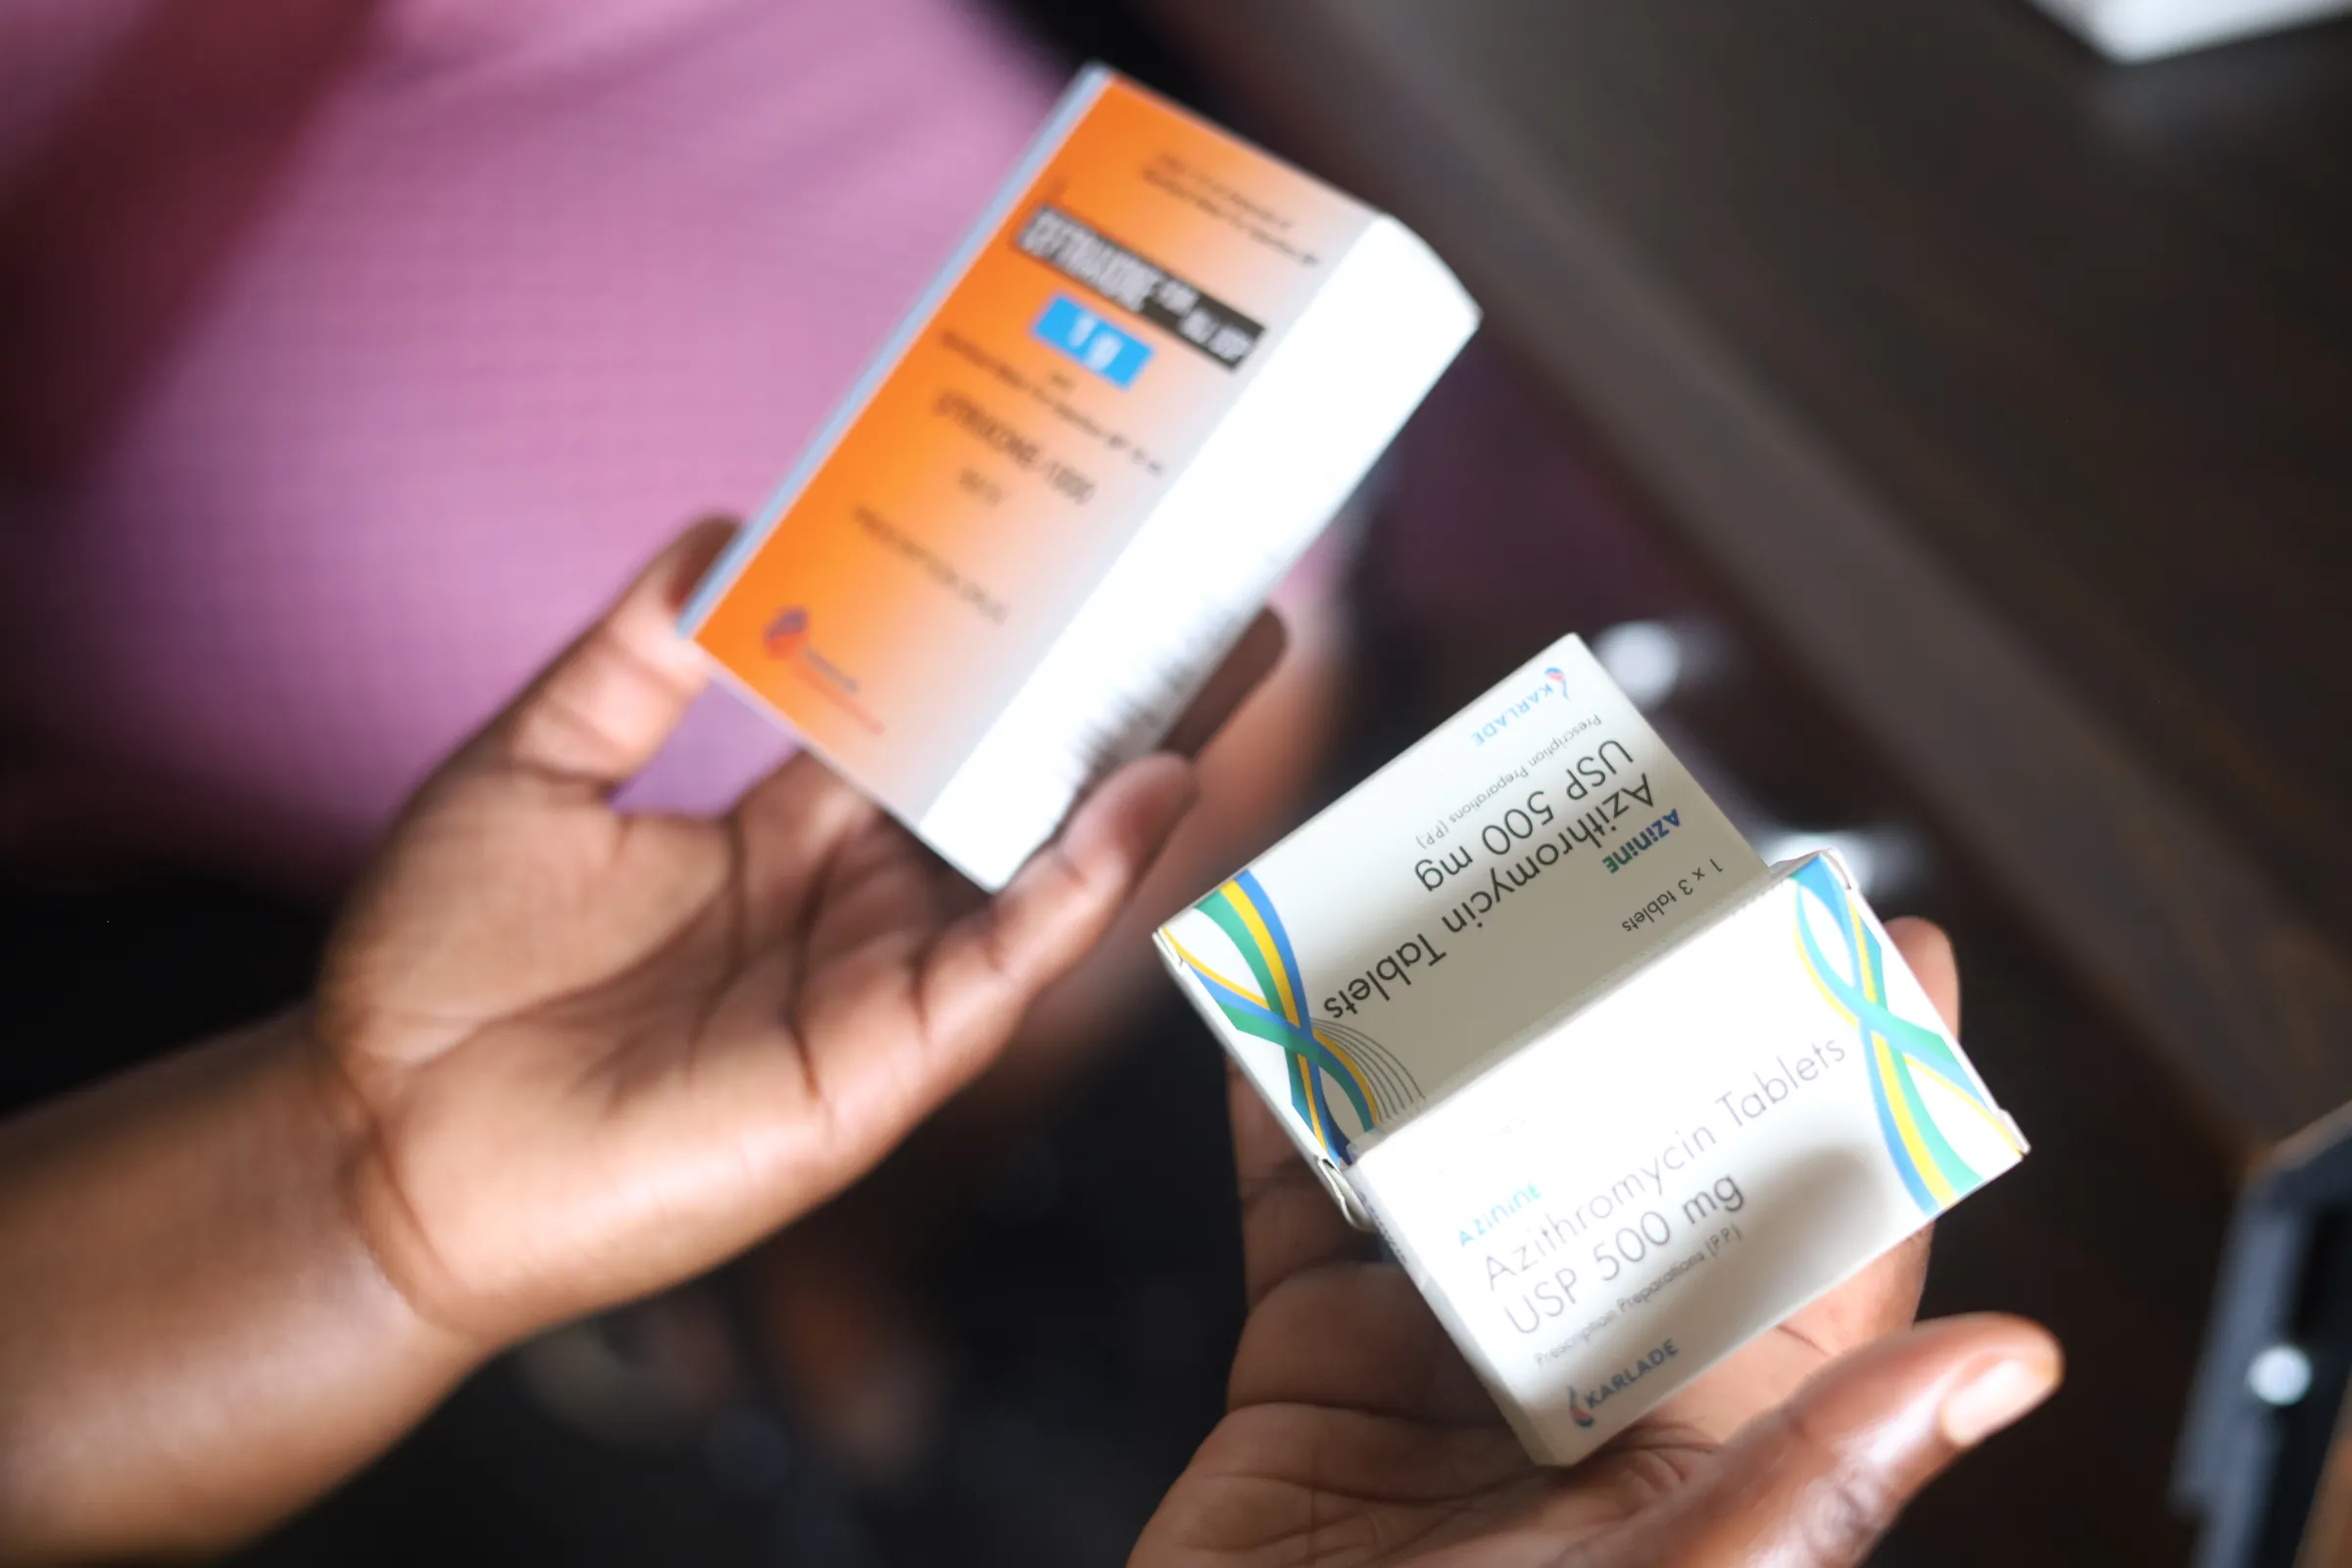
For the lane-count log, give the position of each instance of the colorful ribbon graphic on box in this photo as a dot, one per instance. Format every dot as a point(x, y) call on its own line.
point(1896, 1051)
point(1277, 1013)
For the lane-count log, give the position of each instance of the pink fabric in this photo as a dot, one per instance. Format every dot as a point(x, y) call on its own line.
point(546, 280)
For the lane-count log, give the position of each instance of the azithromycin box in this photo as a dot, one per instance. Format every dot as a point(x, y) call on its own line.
point(1619, 1095)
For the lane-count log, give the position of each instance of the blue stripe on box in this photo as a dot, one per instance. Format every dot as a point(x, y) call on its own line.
point(1085, 336)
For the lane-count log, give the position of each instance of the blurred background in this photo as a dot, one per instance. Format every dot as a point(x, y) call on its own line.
point(1942, 426)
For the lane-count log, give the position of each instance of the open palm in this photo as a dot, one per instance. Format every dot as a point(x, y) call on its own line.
point(588, 1053)
point(1357, 1435)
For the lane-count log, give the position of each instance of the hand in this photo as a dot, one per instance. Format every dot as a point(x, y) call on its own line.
point(1356, 1434)
point(586, 1054)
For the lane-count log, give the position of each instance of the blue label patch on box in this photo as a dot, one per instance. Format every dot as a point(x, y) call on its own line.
point(1085, 336)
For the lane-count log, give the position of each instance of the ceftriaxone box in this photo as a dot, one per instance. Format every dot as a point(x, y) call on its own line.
point(1619, 1095)
point(1157, 366)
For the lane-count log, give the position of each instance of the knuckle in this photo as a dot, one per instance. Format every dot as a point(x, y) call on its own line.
point(1844, 1517)
point(1848, 1505)
point(1003, 955)
point(1050, 918)
point(555, 733)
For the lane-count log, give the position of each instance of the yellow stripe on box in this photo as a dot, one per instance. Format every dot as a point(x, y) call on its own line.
point(1237, 990)
point(1362, 1083)
point(1266, 945)
point(1924, 1163)
point(1999, 1129)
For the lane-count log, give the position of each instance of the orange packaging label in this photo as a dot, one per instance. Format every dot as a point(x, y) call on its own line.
point(1002, 450)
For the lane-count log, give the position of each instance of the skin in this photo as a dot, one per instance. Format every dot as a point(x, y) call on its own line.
point(559, 1057)
point(849, 1336)
point(1357, 1435)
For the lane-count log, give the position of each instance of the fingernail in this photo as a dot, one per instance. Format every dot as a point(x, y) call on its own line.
point(1995, 1397)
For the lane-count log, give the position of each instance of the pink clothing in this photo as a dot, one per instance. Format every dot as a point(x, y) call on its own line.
point(543, 281)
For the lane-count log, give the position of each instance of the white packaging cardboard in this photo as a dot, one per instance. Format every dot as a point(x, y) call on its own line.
point(1619, 1097)
point(2149, 29)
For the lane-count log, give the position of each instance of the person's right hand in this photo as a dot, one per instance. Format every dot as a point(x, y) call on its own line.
point(1357, 1435)
point(584, 1053)
point(560, 1056)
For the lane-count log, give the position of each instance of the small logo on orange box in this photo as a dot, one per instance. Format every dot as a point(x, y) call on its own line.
point(786, 632)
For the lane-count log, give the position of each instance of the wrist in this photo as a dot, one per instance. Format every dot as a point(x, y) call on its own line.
point(384, 1251)
point(205, 1339)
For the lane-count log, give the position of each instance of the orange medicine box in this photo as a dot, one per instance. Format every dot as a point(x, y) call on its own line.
point(1156, 367)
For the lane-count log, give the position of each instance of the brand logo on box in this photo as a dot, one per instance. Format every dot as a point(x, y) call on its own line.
point(1581, 1401)
point(1555, 684)
point(786, 632)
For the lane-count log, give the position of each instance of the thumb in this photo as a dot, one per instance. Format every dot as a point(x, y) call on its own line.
point(1815, 1483)
point(603, 707)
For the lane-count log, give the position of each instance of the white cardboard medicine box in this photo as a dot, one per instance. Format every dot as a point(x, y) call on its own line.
point(1619, 1097)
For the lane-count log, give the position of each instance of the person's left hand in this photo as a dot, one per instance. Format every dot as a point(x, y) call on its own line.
point(584, 1055)
point(1358, 1437)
